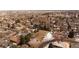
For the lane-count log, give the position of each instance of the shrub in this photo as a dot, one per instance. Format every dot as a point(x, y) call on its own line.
point(25, 38)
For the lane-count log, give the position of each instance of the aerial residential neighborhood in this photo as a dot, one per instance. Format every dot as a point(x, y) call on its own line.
point(39, 29)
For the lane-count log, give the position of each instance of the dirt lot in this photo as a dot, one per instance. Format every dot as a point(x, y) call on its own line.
point(18, 28)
